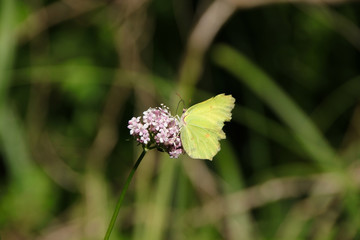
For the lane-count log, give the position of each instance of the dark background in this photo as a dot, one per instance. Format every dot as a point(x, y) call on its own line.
point(72, 73)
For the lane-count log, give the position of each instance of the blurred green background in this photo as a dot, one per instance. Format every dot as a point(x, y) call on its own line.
point(73, 72)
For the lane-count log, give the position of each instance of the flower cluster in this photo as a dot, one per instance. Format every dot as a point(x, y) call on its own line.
point(157, 128)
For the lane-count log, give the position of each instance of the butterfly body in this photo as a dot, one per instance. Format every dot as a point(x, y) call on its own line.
point(201, 126)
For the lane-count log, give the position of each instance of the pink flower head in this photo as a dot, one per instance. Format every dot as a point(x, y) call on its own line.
point(157, 128)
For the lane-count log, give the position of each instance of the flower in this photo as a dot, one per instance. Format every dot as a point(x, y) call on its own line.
point(157, 128)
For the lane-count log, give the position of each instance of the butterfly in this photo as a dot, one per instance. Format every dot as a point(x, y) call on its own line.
point(201, 126)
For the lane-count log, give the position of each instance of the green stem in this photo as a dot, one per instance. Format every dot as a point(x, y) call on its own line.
point(118, 205)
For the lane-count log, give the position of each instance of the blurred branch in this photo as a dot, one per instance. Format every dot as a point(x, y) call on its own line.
point(106, 136)
point(259, 3)
point(53, 14)
point(201, 178)
point(199, 41)
point(129, 36)
point(307, 209)
point(208, 26)
point(268, 192)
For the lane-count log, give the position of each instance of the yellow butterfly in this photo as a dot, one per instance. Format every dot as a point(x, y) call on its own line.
point(201, 126)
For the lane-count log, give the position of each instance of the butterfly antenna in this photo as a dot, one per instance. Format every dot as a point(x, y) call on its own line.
point(181, 101)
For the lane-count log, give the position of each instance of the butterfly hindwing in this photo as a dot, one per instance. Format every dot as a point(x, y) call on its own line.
point(202, 126)
point(199, 143)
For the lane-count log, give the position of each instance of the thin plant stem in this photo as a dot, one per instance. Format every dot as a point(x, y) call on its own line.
point(123, 192)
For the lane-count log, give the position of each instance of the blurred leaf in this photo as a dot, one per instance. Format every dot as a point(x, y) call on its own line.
point(240, 226)
point(29, 188)
point(82, 81)
point(7, 44)
point(280, 102)
point(336, 103)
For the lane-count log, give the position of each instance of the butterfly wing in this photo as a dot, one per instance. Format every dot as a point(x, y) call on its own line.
point(202, 126)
